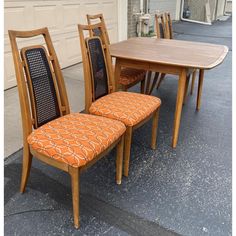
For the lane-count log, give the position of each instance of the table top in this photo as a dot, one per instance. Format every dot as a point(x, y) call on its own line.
point(170, 52)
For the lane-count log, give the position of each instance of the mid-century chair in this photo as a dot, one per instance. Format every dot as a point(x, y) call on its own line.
point(69, 141)
point(129, 76)
point(161, 33)
point(133, 109)
point(166, 25)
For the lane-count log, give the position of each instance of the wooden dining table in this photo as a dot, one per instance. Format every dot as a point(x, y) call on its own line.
point(169, 56)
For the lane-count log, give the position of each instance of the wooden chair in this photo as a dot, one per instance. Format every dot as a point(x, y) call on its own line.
point(129, 76)
point(132, 109)
point(166, 24)
point(69, 141)
point(161, 33)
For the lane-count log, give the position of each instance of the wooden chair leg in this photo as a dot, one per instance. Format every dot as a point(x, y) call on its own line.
point(74, 173)
point(128, 138)
point(154, 82)
point(193, 81)
point(149, 75)
point(26, 165)
point(162, 76)
point(142, 87)
point(154, 129)
point(199, 92)
point(119, 160)
point(186, 89)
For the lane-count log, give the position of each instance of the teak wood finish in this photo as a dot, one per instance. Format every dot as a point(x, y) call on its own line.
point(29, 119)
point(98, 18)
point(89, 91)
point(169, 56)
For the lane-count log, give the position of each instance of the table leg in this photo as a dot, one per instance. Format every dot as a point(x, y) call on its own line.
point(199, 92)
point(149, 75)
point(116, 75)
point(178, 108)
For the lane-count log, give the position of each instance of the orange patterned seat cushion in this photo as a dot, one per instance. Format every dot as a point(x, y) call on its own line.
point(75, 139)
point(130, 108)
point(130, 75)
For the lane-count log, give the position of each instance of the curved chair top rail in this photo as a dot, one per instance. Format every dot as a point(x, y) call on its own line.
point(94, 17)
point(99, 17)
point(29, 33)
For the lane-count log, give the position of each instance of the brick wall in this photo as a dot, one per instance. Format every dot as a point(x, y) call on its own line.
point(154, 5)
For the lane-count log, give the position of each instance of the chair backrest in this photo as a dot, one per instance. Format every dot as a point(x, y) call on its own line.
point(40, 82)
point(160, 25)
point(96, 63)
point(164, 26)
point(169, 29)
point(98, 18)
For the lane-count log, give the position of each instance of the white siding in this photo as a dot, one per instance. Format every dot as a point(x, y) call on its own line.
point(61, 17)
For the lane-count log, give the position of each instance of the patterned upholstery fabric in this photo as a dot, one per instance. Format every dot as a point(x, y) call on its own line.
point(76, 138)
point(130, 75)
point(130, 108)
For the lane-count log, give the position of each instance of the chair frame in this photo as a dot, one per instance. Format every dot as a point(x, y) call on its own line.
point(28, 121)
point(89, 93)
point(100, 17)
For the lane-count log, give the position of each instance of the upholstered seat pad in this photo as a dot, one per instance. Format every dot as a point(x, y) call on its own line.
point(130, 108)
point(130, 75)
point(76, 138)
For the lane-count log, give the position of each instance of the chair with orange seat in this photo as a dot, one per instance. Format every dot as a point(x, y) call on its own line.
point(132, 109)
point(129, 76)
point(68, 141)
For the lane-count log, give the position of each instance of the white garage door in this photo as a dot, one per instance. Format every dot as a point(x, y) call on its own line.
point(61, 17)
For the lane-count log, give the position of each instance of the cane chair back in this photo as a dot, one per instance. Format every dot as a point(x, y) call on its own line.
point(41, 85)
point(98, 67)
point(97, 64)
point(44, 97)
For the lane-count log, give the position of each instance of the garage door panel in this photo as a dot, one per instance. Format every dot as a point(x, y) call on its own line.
point(71, 15)
point(9, 72)
point(61, 17)
point(89, 8)
point(14, 18)
point(73, 49)
point(112, 31)
point(46, 15)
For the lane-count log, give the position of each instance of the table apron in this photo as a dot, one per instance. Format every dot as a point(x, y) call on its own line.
point(151, 66)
